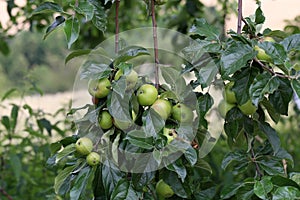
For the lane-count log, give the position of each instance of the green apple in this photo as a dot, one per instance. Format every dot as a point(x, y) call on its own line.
point(163, 189)
point(170, 134)
point(105, 120)
point(182, 113)
point(224, 107)
point(147, 94)
point(269, 39)
point(229, 94)
point(93, 159)
point(84, 146)
point(131, 78)
point(99, 88)
point(248, 108)
point(120, 124)
point(162, 107)
point(261, 54)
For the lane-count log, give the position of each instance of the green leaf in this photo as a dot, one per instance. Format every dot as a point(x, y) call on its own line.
point(263, 187)
point(100, 18)
point(92, 70)
point(202, 164)
point(86, 9)
point(58, 21)
point(8, 93)
point(296, 86)
point(230, 190)
point(239, 157)
point(80, 183)
point(281, 98)
point(259, 16)
point(152, 123)
point(110, 177)
point(286, 193)
point(6, 123)
point(65, 152)
point(271, 135)
point(119, 107)
point(171, 178)
point(47, 7)
point(291, 43)
point(16, 165)
point(205, 102)
point(283, 181)
point(144, 143)
point(263, 84)
point(14, 117)
point(191, 155)
point(71, 29)
point(123, 191)
point(207, 74)
point(130, 52)
point(271, 110)
point(4, 48)
point(242, 83)
point(77, 53)
point(235, 57)
point(202, 28)
point(63, 180)
point(179, 169)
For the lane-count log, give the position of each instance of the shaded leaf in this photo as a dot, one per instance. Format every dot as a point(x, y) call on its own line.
point(58, 21)
point(202, 28)
point(123, 191)
point(286, 193)
point(263, 187)
point(271, 135)
point(77, 53)
point(259, 16)
point(80, 183)
point(291, 42)
point(47, 7)
point(100, 18)
point(71, 29)
point(130, 52)
point(111, 176)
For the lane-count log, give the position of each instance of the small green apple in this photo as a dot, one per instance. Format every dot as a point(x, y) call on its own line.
point(261, 54)
point(269, 39)
point(93, 159)
point(120, 124)
point(99, 88)
point(162, 107)
point(131, 78)
point(182, 113)
point(229, 94)
point(170, 134)
point(84, 146)
point(105, 120)
point(224, 107)
point(248, 108)
point(163, 189)
point(147, 94)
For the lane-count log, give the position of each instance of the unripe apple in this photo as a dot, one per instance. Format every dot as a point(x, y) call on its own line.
point(268, 39)
point(131, 78)
point(105, 120)
point(182, 113)
point(229, 94)
point(170, 134)
point(84, 146)
point(123, 125)
point(248, 108)
point(93, 159)
point(224, 107)
point(99, 88)
point(147, 94)
point(163, 189)
point(162, 107)
point(261, 54)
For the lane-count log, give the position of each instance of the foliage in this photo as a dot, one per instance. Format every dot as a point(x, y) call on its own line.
point(249, 162)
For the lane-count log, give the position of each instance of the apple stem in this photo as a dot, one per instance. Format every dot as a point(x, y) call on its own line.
point(117, 27)
point(240, 16)
point(154, 26)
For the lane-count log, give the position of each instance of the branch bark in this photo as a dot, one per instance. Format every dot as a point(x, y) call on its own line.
point(154, 26)
point(117, 27)
point(2, 191)
point(240, 16)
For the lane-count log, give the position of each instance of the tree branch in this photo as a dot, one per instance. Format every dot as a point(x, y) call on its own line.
point(270, 70)
point(240, 16)
point(117, 27)
point(154, 26)
point(5, 194)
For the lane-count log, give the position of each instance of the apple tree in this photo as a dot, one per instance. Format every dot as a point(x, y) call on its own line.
point(153, 117)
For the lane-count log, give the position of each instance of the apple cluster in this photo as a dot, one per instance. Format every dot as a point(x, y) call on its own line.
point(230, 101)
point(148, 97)
point(84, 147)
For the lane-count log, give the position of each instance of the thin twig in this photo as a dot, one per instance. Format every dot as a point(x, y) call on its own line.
point(117, 27)
point(5, 194)
point(270, 70)
point(240, 16)
point(258, 171)
point(154, 26)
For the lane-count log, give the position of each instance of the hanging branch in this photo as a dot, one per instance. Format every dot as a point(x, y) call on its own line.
point(154, 26)
point(2, 191)
point(117, 27)
point(240, 16)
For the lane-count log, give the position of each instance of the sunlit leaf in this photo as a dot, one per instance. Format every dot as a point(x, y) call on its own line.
point(71, 29)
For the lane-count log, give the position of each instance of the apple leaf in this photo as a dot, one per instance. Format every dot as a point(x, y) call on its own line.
point(271, 110)
point(286, 193)
point(77, 53)
point(100, 17)
point(259, 16)
point(205, 102)
point(47, 7)
point(291, 43)
point(207, 74)
point(110, 177)
point(234, 157)
point(80, 183)
point(202, 28)
point(172, 179)
point(71, 29)
point(263, 84)
point(179, 169)
point(92, 70)
point(86, 9)
point(271, 135)
point(143, 143)
point(152, 123)
point(281, 98)
point(58, 21)
point(123, 191)
point(235, 57)
point(283, 181)
point(296, 86)
point(63, 180)
point(4, 48)
point(275, 51)
point(263, 187)
point(130, 52)
point(119, 107)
